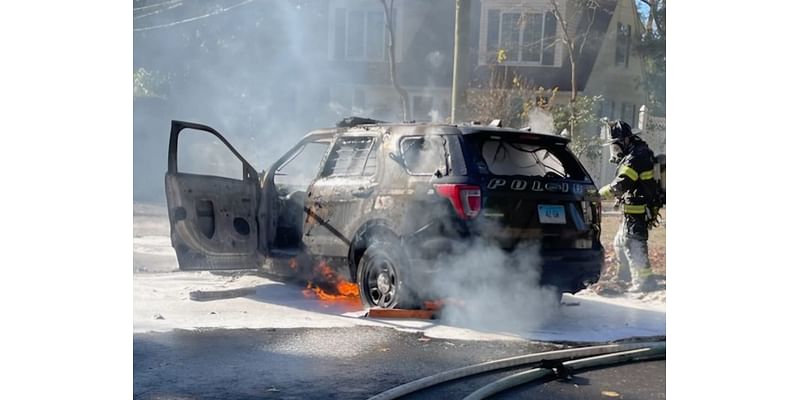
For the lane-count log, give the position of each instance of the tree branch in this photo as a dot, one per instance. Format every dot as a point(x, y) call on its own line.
point(570, 44)
point(592, 5)
point(652, 17)
point(387, 11)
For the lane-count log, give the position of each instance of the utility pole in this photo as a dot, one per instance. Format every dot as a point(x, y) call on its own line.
point(458, 96)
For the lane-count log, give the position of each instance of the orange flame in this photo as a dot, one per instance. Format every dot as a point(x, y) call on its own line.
point(336, 289)
point(293, 264)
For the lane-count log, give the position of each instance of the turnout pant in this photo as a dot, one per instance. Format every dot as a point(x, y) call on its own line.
point(630, 245)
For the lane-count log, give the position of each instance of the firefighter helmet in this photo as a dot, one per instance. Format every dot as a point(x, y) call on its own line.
point(618, 130)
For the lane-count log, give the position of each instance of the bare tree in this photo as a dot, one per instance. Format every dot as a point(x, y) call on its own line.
point(387, 12)
point(571, 39)
point(654, 16)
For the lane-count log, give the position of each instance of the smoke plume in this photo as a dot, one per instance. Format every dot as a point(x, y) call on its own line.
point(488, 288)
point(265, 73)
point(541, 121)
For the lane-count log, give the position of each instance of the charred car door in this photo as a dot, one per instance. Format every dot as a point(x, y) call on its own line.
point(212, 204)
point(341, 195)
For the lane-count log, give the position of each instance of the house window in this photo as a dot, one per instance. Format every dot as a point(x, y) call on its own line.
point(524, 37)
point(359, 35)
point(623, 45)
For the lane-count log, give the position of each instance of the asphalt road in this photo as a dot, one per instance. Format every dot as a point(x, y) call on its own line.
point(342, 363)
point(638, 381)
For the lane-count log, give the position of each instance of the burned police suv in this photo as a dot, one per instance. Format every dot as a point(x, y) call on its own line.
point(380, 202)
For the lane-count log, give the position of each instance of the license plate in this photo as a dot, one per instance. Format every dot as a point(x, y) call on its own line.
point(551, 214)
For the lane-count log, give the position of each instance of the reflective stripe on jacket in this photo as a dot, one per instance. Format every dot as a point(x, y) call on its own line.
point(633, 184)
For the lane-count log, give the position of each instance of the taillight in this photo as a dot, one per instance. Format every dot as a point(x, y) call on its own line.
point(598, 212)
point(466, 199)
point(587, 212)
point(591, 212)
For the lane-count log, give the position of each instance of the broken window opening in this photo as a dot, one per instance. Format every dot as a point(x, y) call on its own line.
point(351, 156)
point(300, 169)
point(508, 158)
point(424, 155)
point(201, 153)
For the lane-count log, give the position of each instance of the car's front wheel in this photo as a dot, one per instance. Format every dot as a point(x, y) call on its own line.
point(382, 277)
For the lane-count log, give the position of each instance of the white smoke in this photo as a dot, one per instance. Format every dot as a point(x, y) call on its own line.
point(541, 121)
point(435, 59)
point(488, 288)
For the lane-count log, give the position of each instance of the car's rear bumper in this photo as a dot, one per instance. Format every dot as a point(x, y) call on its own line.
point(571, 270)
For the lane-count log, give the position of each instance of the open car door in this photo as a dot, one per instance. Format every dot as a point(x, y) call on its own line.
point(213, 219)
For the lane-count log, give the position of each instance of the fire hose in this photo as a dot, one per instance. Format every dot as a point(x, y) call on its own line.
point(605, 360)
point(574, 359)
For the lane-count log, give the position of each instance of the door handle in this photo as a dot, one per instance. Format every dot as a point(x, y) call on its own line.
point(362, 192)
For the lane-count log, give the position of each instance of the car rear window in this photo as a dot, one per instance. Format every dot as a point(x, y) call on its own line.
point(511, 157)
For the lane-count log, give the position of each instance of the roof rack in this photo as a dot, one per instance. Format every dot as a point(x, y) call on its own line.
point(350, 122)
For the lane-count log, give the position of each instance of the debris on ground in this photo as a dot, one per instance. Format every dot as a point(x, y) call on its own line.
point(401, 313)
point(208, 295)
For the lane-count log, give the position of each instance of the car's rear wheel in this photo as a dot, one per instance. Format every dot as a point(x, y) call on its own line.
point(382, 277)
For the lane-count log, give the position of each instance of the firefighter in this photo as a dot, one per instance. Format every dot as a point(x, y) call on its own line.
point(633, 187)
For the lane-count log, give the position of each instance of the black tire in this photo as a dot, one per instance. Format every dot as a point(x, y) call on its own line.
point(382, 277)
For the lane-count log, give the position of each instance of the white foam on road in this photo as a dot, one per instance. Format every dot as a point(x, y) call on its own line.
point(161, 303)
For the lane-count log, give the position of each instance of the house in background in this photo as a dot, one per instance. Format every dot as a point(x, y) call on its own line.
point(270, 71)
point(358, 57)
point(618, 71)
point(527, 32)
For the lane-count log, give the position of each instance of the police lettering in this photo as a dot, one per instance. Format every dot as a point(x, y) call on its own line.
point(536, 186)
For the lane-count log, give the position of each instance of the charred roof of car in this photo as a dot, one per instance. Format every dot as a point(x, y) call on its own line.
point(466, 129)
point(478, 129)
point(414, 127)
